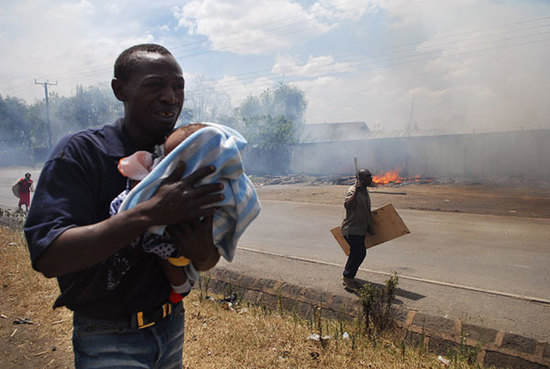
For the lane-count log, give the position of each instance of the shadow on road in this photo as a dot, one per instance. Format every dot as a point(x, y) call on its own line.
point(399, 292)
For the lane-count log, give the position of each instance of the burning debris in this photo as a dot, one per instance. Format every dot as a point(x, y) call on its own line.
point(389, 179)
point(392, 178)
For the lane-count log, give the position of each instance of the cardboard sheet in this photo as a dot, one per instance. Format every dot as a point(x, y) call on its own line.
point(387, 225)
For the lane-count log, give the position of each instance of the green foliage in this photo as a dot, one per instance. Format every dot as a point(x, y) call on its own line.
point(24, 128)
point(266, 133)
point(377, 305)
point(89, 107)
point(271, 123)
point(15, 125)
point(281, 100)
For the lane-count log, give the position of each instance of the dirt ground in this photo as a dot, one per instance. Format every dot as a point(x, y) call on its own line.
point(46, 342)
point(513, 200)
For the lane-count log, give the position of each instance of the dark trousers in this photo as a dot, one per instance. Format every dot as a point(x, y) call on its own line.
point(357, 254)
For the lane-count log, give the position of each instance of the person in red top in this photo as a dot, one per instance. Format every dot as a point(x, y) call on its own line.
point(25, 188)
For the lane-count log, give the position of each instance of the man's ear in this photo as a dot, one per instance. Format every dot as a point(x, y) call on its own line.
point(118, 89)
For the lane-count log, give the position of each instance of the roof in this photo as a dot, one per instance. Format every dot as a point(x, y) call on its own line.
point(338, 131)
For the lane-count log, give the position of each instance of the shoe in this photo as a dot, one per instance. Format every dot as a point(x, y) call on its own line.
point(350, 283)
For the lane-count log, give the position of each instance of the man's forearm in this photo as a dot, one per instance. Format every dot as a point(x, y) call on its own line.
point(79, 248)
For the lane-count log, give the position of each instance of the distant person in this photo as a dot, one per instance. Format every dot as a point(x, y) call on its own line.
point(24, 191)
point(119, 294)
point(356, 225)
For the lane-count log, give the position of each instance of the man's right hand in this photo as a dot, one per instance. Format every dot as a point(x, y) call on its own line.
point(179, 200)
point(176, 201)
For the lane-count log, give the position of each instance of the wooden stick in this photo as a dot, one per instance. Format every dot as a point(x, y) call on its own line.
point(389, 193)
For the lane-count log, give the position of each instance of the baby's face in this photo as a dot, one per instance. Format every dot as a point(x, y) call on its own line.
point(179, 135)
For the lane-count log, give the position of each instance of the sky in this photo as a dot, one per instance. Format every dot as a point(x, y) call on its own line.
point(462, 66)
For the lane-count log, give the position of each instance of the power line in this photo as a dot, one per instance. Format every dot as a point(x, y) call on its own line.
point(414, 51)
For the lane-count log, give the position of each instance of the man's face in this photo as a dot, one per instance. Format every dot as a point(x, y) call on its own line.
point(153, 95)
point(365, 179)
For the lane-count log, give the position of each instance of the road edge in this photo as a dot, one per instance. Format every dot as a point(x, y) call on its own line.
point(437, 334)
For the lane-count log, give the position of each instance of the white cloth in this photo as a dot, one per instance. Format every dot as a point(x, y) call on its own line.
point(221, 147)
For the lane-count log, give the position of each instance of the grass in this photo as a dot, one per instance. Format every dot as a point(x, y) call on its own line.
point(218, 334)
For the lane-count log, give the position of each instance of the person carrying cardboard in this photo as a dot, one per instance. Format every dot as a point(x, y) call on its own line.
point(357, 224)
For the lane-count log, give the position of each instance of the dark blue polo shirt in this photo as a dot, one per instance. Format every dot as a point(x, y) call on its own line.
point(75, 188)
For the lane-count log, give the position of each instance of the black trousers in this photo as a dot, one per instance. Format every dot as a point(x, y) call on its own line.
point(357, 254)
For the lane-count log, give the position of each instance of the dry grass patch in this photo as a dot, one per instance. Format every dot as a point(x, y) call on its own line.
point(247, 336)
point(27, 297)
point(217, 335)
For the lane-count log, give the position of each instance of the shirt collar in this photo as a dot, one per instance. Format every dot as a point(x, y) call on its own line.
point(118, 142)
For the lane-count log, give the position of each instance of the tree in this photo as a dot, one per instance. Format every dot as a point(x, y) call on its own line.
point(91, 106)
point(271, 123)
point(204, 103)
point(281, 100)
point(14, 122)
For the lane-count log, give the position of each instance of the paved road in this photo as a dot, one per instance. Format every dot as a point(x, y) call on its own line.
point(7, 178)
point(489, 270)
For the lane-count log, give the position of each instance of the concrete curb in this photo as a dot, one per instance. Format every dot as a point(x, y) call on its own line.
point(438, 334)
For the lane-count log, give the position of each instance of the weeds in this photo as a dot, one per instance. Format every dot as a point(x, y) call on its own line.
point(204, 281)
point(377, 306)
point(464, 352)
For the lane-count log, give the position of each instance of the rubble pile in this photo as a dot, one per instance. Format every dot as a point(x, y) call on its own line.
point(13, 219)
point(268, 180)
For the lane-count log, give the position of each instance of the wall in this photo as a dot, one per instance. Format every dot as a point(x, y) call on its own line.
point(482, 155)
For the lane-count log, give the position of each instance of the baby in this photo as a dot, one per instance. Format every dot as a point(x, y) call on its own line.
point(198, 145)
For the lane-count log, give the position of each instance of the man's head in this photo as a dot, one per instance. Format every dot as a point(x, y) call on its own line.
point(149, 81)
point(364, 177)
point(28, 175)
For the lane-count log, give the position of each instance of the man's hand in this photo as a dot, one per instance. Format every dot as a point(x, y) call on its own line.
point(193, 239)
point(179, 200)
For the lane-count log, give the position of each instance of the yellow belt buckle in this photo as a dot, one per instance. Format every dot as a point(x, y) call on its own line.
point(140, 323)
point(179, 261)
point(166, 310)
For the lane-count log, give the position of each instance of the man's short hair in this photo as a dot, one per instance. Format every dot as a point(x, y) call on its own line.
point(125, 61)
point(363, 173)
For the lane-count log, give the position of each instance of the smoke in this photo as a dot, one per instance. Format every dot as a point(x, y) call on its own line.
point(459, 66)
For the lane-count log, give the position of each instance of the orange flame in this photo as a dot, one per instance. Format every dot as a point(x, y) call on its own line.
point(393, 177)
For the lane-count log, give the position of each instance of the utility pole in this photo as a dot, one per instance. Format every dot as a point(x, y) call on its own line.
point(409, 126)
point(46, 84)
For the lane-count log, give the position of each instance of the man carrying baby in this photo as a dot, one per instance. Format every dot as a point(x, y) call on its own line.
point(118, 293)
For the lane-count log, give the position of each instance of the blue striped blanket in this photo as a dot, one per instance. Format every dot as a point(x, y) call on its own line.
point(221, 147)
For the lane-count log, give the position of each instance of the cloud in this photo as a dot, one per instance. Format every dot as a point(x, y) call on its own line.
point(69, 42)
point(315, 66)
point(469, 65)
point(239, 90)
point(249, 26)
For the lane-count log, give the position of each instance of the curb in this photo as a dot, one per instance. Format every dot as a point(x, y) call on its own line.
point(438, 334)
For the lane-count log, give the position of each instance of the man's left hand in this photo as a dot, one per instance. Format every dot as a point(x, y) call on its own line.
point(193, 240)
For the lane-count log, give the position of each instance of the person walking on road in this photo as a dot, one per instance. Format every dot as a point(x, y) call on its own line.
point(24, 190)
point(356, 225)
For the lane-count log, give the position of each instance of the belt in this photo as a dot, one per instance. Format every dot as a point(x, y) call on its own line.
point(144, 319)
point(139, 320)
